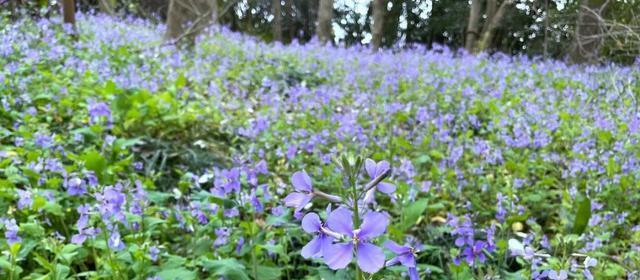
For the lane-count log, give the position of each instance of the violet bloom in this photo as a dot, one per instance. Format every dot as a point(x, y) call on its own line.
point(314, 249)
point(370, 258)
point(75, 187)
point(405, 255)
point(473, 253)
point(377, 169)
point(11, 231)
point(304, 192)
point(302, 183)
point(97, 110)
point(115, 241)
point(239, 245)
point(24, 200)
point(84, 231)
point(221, 236)
point(153, 253)
point(558, 275)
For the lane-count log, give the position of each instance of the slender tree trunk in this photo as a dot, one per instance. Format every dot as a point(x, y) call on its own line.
point(377, 31)
point(492, 25)
point(215, 17)
point(291, 15)
point(587, 43)
point(392, 22)
point(69, 12)
point(176, 17)
point(325, 14)
point(277, 20)
point(473, 27)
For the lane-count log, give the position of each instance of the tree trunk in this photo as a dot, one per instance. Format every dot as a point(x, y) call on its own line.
point(492, 25)
point(379, 8)
point(277, 20)
point(392, 23)
point(187, 18)
point(587, 42)
point(291, 16)
point(325, 14)
point(69, 12)
point(473, 27)
point(213, 5)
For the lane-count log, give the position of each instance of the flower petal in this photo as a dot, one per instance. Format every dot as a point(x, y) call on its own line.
point(370, 257)
point(341, 221)
point(297, 200)
point(373, 224)
point(392, 261)
point(370, 166)
point(382, 167)
point(301, 181)
point(311, 223)
point(338, 256)
point(386, 187)
point(413, 274)
point(313, 249)
point(78, 238)
point(395, 247)
point(407, 260)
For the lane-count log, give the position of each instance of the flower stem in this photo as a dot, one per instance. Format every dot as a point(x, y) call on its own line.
point(356, 218)
point(254, 261)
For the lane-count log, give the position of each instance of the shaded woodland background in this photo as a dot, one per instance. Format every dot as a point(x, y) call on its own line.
point(581, 31)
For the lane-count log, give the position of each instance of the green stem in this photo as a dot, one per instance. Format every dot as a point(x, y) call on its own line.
point(356, 219)
point(109, 254)
point(13, 267)
point(254, 263)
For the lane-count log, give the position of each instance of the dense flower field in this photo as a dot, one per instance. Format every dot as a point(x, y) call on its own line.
point(122, 158)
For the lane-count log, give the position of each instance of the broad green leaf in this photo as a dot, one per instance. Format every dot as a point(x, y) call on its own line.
point(231, 269)
point(583, 215)
point(413, 212)
point(177, 274)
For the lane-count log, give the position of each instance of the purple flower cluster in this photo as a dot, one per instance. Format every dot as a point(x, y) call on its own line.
point(351, 229)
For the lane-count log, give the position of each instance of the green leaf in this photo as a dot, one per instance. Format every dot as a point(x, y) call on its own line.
point(62, 271)
point(176, 274)
point(413, 212)
point(181, 81)
point(95, 162)
point(582, 216)
point(229, 268)
point(32, 229)
point(268, 272)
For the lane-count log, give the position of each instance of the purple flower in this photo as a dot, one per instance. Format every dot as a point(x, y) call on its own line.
point(44, 141)
point(84, 231)
point(377, 169)
point(221, 236)
point(239, 245)
point(24, 200)
point(97, 110)
point(314, 249)
point(75, 187)
point(153, 253)
point(11, 231)
point(558, 275)
point(370, 258)
point(475, 252)
point(138, 165)
point(115, 242)
point(302, 184)
point(405, 255)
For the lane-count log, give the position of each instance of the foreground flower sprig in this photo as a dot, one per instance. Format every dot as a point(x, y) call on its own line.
point(352, 228)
